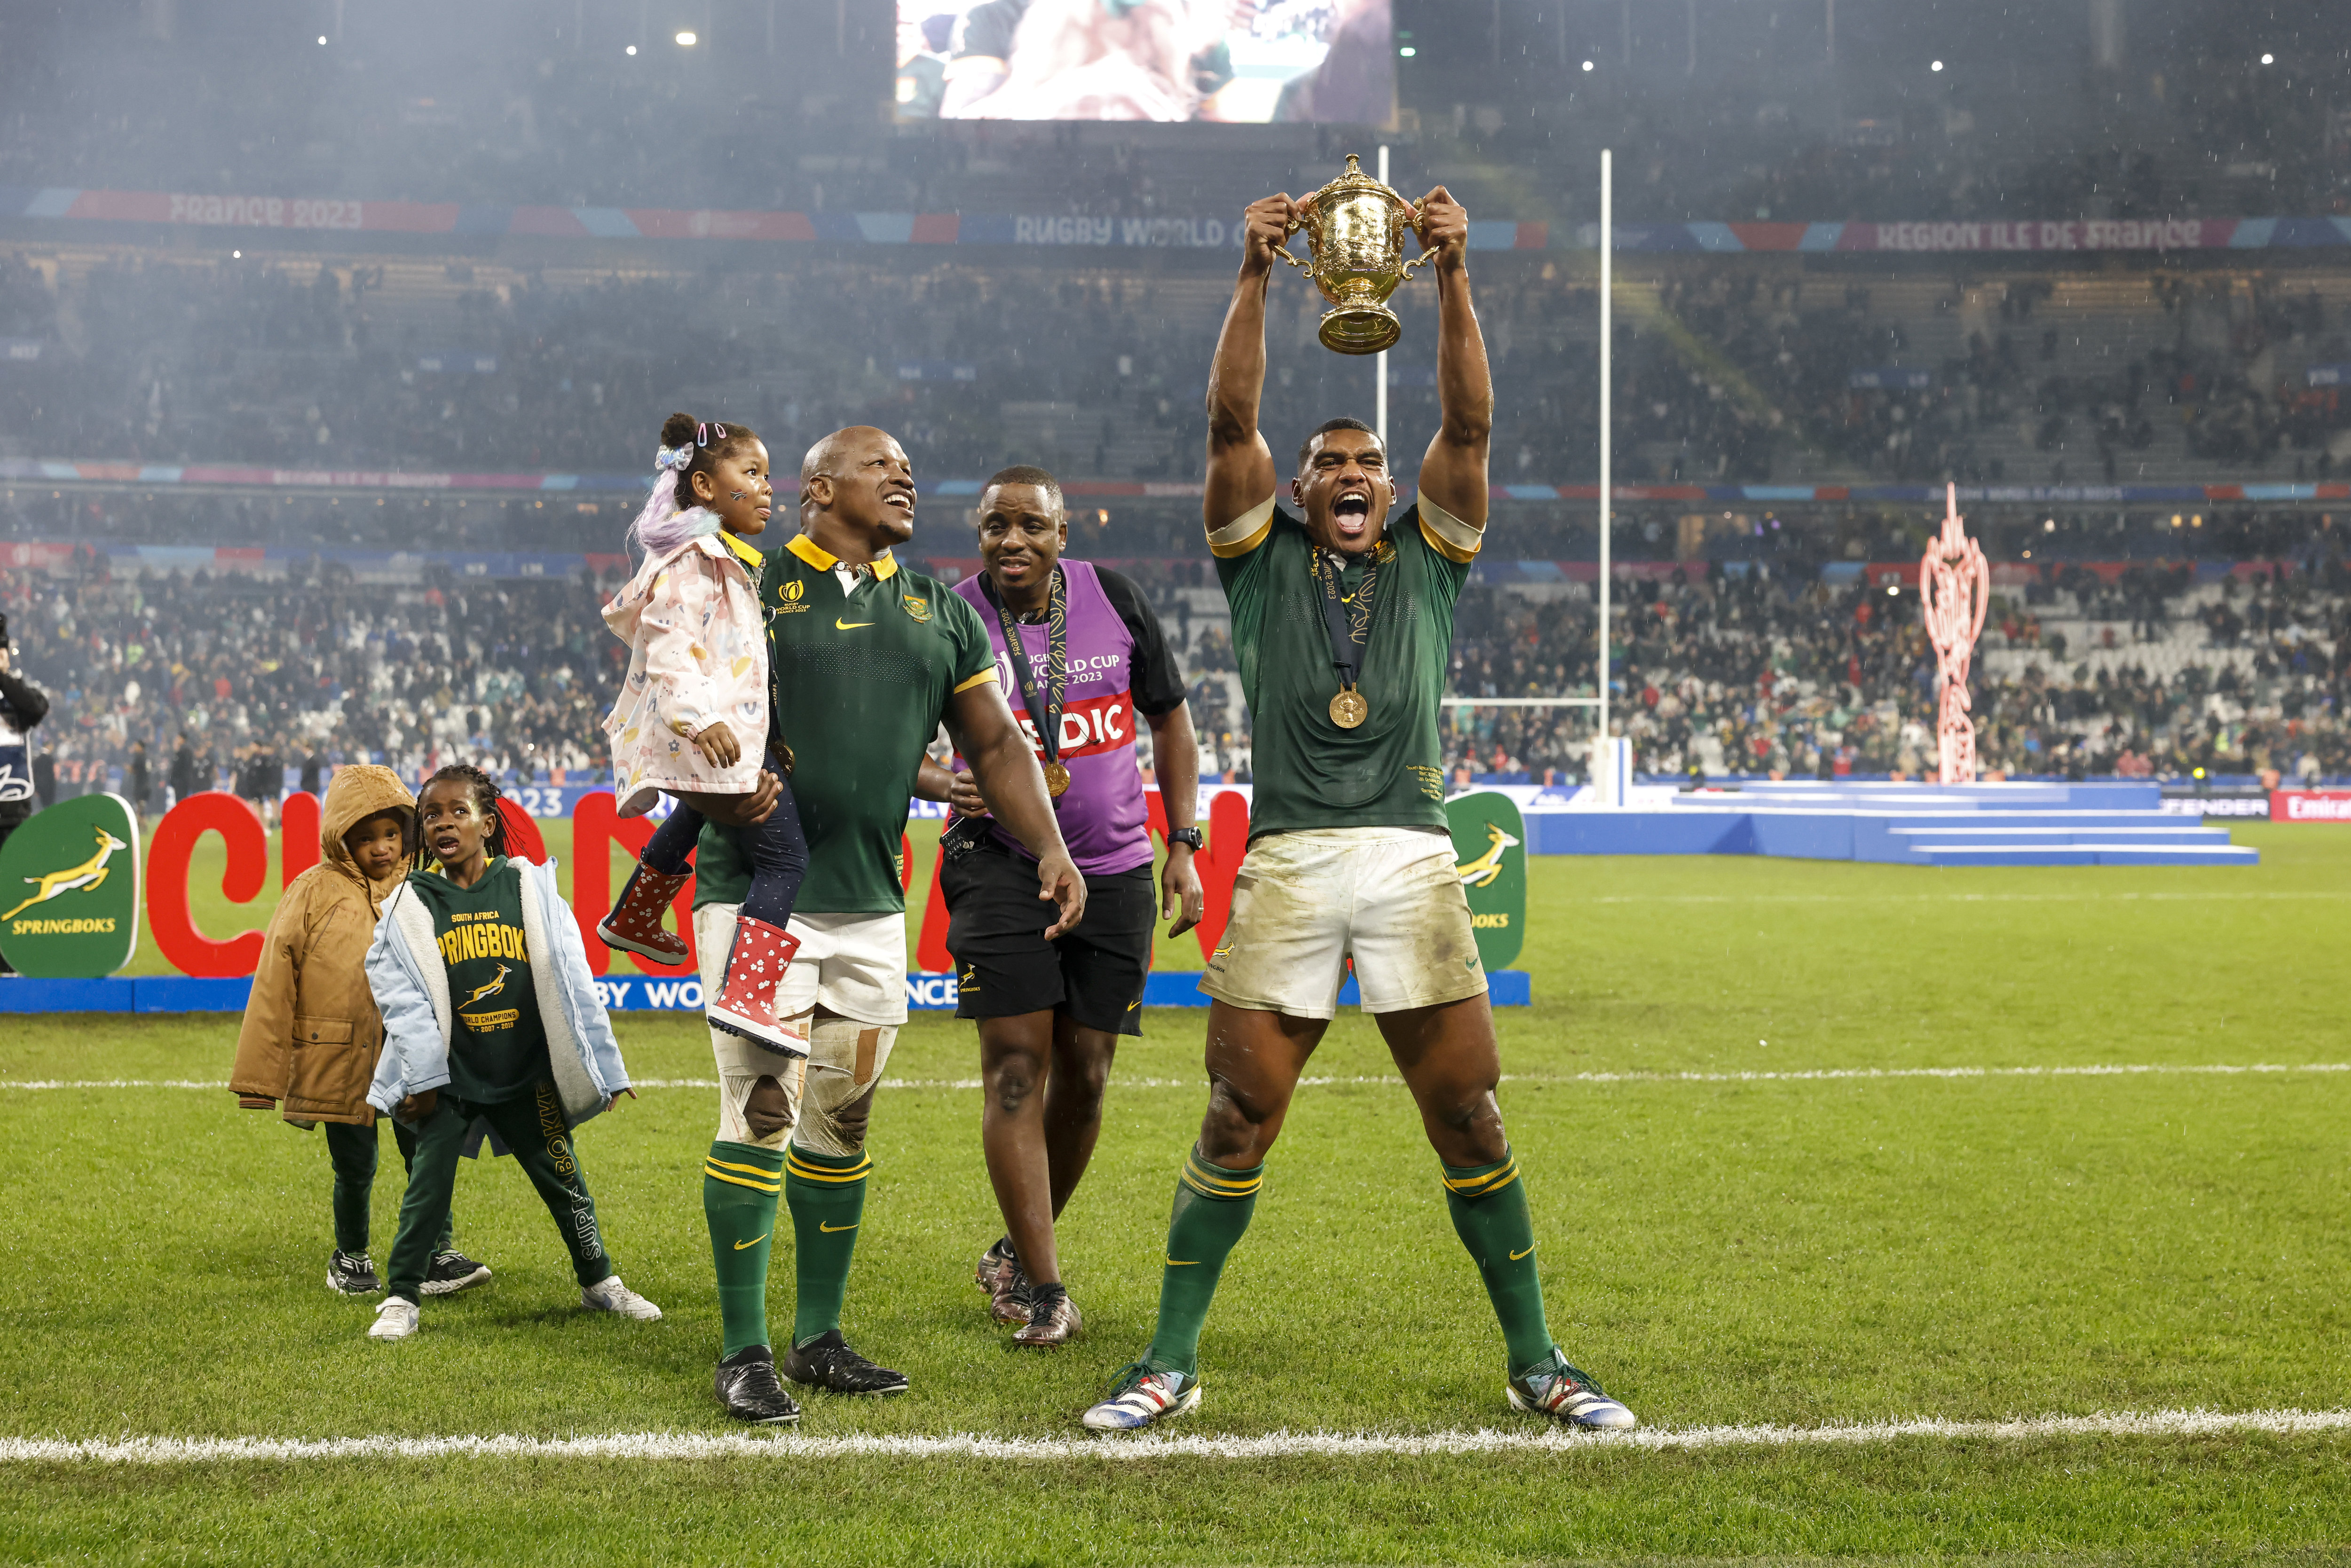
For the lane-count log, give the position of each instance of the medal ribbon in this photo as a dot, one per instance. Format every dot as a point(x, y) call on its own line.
point(1045, 710)
point(1346, 648)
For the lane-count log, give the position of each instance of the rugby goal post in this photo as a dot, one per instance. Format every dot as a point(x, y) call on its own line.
point(1611, 759)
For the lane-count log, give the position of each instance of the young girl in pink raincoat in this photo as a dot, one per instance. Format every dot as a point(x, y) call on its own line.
point(692, 718)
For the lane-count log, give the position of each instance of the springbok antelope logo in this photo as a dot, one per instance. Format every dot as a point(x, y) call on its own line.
point(497, 983)
point(89, 876)
point(1488, 866)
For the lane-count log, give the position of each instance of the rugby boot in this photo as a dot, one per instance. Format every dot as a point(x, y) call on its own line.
point(635, 924)
point(747, 1386)
point(452, 1271)
point(1142, 1396)
point(1566, 1395)
point(826, 1361)
point(352, 1274)
point(745, 1002)
point(1008, 1288)
point(1053, 1319)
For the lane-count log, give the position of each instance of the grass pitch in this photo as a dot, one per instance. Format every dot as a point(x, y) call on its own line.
point(1725, 1243)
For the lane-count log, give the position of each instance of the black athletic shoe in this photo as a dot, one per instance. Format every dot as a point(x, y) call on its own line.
point(350, 1274)
point(452, 1273)
point(747, 1386)
point(826, 1361)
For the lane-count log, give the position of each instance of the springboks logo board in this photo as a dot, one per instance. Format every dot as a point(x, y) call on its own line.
point(1491, 856)
point(69, 889)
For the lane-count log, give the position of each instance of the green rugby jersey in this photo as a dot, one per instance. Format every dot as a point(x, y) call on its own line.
point(498, 1050)
point(1310, 773)
point(858, 683)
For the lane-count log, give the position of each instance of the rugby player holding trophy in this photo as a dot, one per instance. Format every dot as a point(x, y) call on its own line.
point(1342, 621)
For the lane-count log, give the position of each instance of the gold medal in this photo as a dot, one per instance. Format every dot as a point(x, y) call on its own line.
point(1057, 778)
point(1349, 709)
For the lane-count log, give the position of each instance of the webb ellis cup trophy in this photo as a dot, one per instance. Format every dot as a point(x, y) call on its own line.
point(1355, 227)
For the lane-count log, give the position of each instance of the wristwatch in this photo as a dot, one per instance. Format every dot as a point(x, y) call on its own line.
point(1189, 837)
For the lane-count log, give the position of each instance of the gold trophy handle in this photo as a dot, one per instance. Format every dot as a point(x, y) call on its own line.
point(1283, 250)
point(1420, 261)
point(1412, 225)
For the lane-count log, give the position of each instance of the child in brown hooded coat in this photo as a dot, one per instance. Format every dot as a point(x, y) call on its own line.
point(311, 1032)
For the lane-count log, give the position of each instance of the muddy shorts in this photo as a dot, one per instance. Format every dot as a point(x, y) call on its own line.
point(1305, 902)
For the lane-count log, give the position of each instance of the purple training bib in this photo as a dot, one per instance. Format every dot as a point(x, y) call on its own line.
point(1103, 818)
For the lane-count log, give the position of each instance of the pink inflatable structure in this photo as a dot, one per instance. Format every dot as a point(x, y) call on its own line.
point(1955, 586)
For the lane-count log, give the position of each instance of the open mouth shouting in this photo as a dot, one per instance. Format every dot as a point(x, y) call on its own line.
point(1350, 514)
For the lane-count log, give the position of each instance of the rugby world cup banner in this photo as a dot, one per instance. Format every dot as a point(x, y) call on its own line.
point(1489, 853)
point(69, 889)
point(1192, 232)
point(74, 893)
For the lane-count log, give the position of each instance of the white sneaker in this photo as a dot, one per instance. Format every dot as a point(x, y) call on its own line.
point(609, 1295)
point(396, 1319)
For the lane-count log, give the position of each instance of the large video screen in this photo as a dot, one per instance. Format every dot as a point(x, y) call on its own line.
point(1329, 62)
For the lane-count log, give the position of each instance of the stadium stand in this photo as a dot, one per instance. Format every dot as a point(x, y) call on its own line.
point(1726, 673)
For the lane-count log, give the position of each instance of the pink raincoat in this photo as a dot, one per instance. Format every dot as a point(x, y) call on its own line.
point(697, 654)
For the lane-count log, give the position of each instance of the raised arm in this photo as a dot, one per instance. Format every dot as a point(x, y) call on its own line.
point(1240, 465)
point(1453, 474)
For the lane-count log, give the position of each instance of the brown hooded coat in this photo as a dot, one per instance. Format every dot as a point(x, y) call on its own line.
point(311, 1030)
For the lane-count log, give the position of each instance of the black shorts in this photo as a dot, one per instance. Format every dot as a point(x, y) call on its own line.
point(1004, 966)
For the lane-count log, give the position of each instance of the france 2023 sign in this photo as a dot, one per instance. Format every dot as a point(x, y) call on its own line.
point(69, 889)
point(1489, 853)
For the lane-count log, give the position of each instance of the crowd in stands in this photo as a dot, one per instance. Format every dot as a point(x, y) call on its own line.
point(1723, 374)
point(515, 674)
point(1723, 673)
point(1769, 672)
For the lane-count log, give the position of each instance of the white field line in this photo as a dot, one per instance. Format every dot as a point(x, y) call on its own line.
point(1273, 1446)
point(1812, 1075)
point(2081, 897)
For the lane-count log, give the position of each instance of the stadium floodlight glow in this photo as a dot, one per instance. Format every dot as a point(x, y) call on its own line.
point(1587, 65)
point(2266, 59)
point(1934, 66)
point(1407, 51)
point(686, 40)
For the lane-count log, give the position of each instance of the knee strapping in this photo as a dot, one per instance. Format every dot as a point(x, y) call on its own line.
point(760, 1095)
point(845, 1063)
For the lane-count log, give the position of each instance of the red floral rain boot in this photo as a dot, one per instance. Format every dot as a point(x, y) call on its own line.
point(635, 924)
point(745, 1002)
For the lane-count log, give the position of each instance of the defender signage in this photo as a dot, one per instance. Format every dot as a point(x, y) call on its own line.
point(1489, 852)
point(69, 890)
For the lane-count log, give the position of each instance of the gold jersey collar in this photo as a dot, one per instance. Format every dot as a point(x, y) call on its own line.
point(885, 565)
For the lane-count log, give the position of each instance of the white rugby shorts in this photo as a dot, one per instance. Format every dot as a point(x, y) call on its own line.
point(1305, 901)
point(853, 965)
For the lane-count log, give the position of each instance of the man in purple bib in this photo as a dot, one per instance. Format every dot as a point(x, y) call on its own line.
point(1080, 655)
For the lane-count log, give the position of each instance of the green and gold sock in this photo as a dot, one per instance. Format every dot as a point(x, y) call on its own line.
point(1489, 1214)
point(739, 1187)
point(827, 1197)
point(1213, 1206)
